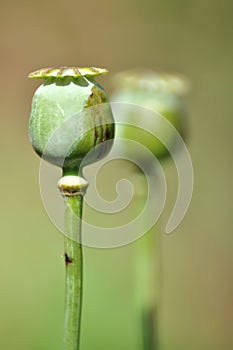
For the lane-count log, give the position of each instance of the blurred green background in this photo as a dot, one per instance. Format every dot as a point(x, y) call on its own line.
point(190, 37)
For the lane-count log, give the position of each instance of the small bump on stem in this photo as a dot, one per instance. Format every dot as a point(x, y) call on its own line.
point(71, 185)
point(68, 260)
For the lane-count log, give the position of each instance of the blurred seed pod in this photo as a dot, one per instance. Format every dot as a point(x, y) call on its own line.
point(161, 93)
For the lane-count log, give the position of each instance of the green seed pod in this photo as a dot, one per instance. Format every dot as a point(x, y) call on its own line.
point(162, 93)
point(67, 121)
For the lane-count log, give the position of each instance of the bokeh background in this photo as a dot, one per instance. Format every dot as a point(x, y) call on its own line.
point(191, 37)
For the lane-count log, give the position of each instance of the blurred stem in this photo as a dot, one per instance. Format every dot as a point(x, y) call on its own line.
point(147, 283)
point(74, 272)
point(146, 280)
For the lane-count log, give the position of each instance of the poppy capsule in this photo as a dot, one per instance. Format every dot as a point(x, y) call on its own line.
point(70, 116)
point(160, 93)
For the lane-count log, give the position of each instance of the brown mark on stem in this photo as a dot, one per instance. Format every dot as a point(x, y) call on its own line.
point(68, 260)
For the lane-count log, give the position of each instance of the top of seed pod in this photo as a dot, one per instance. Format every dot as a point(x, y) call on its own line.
point(64, 71)
point(149, 80)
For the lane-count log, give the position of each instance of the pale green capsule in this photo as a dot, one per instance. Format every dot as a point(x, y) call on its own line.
point(62, 127)
point(161, 93)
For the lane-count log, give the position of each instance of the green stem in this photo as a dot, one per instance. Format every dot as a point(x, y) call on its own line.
point(74, 272)
point(146, 280)
point(147, 290)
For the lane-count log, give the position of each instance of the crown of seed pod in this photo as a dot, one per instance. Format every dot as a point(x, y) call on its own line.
point(70, 115)
point(162, 93)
